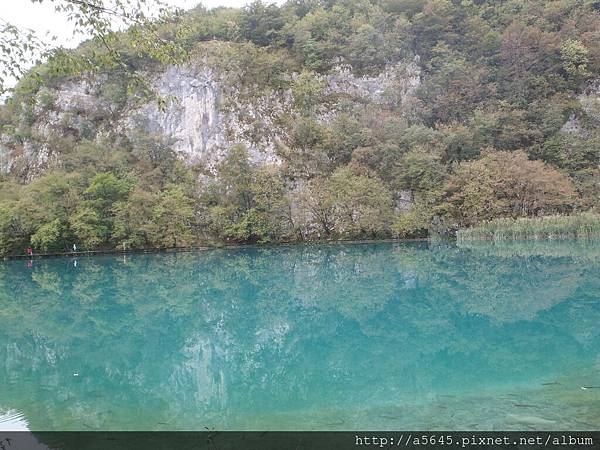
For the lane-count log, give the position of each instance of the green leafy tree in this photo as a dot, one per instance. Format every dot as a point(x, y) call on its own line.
point(89, 228)
point(317, 209)
point(271, 205)
point(50, 237)
point(346, 135)
point(105, 189)
point(414, 223)
point(420, 170)
point(260, 23)
point(363, 205)
point(235, 175)
point(14, 232)
point(250, 204)
point(133, 220)
point(305, 154)
point(95, 18)
point(174, 218)
point(575, 59)
point(308, 90)
point(346, 205)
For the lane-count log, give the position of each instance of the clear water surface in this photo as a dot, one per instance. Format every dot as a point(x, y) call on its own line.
point(380, 336)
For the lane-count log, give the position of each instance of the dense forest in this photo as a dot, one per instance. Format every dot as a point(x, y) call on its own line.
point(504, 123)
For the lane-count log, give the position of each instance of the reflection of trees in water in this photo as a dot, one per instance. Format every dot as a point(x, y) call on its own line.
point(192, 339)
point(505, 289)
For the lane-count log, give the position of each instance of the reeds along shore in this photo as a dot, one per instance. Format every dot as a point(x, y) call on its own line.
point(583, 225)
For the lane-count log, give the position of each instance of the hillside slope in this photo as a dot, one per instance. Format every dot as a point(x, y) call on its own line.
point(314, 120)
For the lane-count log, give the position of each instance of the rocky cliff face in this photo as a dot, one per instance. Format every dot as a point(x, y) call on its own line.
point(6, 159)
point(395, 84)
point(205, 114)
point(589, 111)
point(75, 110)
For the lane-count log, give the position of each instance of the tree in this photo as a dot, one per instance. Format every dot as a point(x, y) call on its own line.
point(346, 205)
point(49, 237)
point(96, 19)
point(311, 39)
point(95, 219)
point(57, 194)
point(507, 184)
point(271, 204)
point(261, 23)
point(251, 226)
point(316, 206)
point(306, 154)
point(249, 204)
point(173, 218)
point(308, 89)
point(89, 228)
point(14, 232)
point(106, 189)
point(420, 170)
point(433, 24)
point(451, 69)
point(133, 219)
point(414, 223)
point(365, 48)
point(235, 176)
point(363, 205)
point(346, 135)
point(575, 58)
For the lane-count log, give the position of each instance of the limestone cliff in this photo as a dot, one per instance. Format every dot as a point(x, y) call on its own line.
point(204, 113)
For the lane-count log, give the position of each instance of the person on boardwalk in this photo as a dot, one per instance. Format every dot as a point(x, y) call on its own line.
point(29, 251)
point(74, 248)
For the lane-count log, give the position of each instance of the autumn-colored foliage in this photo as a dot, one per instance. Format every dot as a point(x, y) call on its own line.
point(507, 184)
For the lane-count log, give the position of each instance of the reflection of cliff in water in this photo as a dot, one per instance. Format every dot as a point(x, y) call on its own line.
point(188, 340)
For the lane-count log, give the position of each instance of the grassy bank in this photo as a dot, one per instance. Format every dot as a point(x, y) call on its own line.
point(583, 225)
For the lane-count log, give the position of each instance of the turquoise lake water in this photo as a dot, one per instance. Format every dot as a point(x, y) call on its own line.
point(374, 336)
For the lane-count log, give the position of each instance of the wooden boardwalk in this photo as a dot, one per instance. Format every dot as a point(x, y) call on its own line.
point(106, 252)
point(202, 248)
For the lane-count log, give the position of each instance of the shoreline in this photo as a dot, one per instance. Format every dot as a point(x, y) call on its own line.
point(201, 248)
